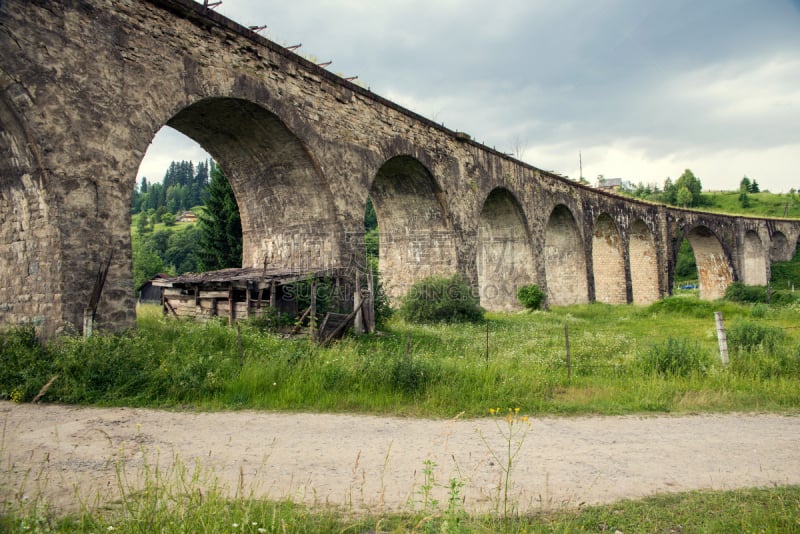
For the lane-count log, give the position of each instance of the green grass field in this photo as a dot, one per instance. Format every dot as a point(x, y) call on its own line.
point(663, 358)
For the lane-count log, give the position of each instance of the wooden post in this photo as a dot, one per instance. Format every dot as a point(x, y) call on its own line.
point(239, 340)
point(408, 347)
point(358, 323)
point(487, 342)
point(569, 356)
point(273, 298)
point(88, 322)
point(230, 307)
point(721, 338)
point(312, 318)
point(247, 298)
point(370, 304)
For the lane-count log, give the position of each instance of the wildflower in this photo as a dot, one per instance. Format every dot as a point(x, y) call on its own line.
point(110, 528)
point(235, 525)
point(491, 411)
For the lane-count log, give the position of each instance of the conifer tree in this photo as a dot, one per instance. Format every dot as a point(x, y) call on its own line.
point(220, 227)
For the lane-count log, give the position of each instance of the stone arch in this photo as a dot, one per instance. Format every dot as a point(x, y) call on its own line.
point(608, 262)
point(29, 232)
point(754, 261)
point(713, 267)
point(286, 206)
point(643, 264)
point(504, 255)
point(779, 248)
point(564, 260)
point(416, 238)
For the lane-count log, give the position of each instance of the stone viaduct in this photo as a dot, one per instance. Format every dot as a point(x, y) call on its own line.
point(86, 84)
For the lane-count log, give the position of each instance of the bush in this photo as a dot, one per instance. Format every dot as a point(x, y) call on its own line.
point(748, 336)
point(676, 357)
point(738, 292)
point(25, 363)
point(531, 296)
point(438, 299)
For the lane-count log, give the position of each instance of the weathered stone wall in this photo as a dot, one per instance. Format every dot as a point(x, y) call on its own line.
point(608, 263)
point(644, 264)
point(504, 257)
point(85, 86)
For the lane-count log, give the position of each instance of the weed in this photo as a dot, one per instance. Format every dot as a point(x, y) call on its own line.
point(513, 429)
point(748, 335)
point(676, 357)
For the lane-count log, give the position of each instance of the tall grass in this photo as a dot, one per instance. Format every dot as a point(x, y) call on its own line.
point(432, 370)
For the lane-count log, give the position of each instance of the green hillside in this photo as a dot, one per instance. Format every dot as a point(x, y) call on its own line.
point(764, 204)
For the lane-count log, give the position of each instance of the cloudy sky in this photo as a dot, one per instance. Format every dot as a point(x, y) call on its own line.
point(640, 89)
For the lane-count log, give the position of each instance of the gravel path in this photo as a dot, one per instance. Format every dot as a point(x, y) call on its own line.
point(364, 462)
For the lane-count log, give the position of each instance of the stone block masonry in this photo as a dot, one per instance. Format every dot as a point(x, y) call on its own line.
point(85, 86)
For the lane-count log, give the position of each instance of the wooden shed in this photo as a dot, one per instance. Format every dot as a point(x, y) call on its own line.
point(327, 295)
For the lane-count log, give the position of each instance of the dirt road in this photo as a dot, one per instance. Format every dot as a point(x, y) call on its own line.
point(72, 453)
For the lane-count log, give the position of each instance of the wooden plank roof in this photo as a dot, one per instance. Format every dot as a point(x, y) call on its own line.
point(251, 277)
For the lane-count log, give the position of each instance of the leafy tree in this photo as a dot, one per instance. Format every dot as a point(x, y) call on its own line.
point(220, 236)
point(692, 183)
point(168, 219)
point(182, 249)
point(685, 265)
point(146, 262)
point(370, 217)
point(684, 197)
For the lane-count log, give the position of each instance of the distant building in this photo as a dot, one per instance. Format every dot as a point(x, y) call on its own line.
point(612, 184)
point(187, 217)
point(149, 292)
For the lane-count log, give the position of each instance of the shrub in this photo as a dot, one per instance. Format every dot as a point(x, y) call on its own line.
point(676, 357)
point(409, 375)
point(759, 310)
point(748, 335)
point(25, 363)
point(687, 306)
point(531, 296)
point(439, 299)
point(738, 292)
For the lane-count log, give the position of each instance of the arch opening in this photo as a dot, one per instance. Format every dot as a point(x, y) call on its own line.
point(643, 264)
point(779, 249)
point(714, 271)
point(416, 239)
point(286, 207)
point(608, 262)
point(565, 260)
point(504, 253)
